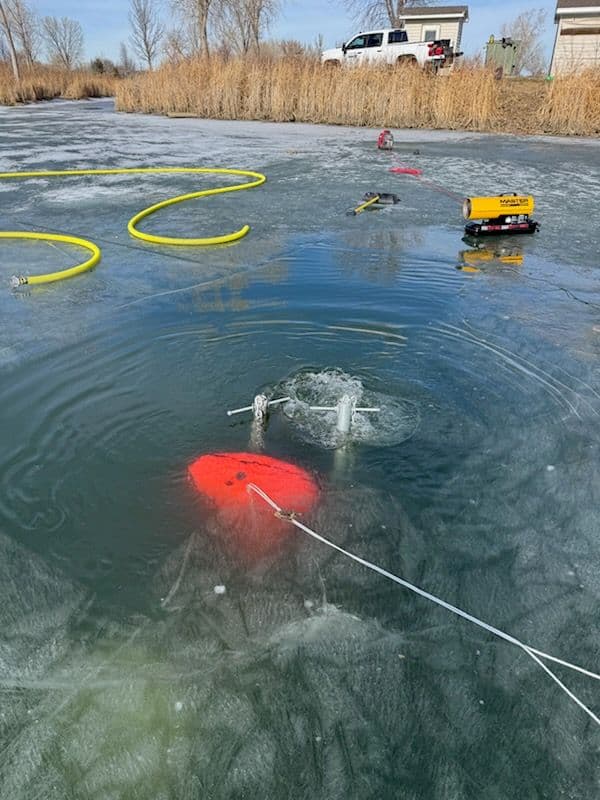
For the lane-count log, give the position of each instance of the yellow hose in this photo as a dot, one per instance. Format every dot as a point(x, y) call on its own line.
point(131, 225)
point(54, 237)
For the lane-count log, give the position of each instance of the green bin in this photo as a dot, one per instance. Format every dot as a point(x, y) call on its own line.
point(501, 55)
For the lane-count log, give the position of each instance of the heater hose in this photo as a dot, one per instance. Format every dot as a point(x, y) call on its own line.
point(257, 180)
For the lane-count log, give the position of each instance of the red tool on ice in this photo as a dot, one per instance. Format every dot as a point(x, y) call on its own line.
point(407, 170)
point(385, 140)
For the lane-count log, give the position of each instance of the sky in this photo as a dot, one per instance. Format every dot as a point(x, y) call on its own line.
point(105, 22)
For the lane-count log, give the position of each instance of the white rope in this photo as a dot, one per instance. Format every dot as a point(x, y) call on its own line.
point(536, 655)
point(565, 663)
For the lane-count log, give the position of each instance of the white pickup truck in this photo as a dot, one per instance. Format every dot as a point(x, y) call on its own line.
point(390, 46)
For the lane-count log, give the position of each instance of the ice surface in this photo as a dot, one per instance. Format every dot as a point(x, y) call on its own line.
point(123, 673)
point(315, 173)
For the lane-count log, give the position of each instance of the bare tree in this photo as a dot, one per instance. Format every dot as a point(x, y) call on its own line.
point(381, 12)
point(64, 40)
point(526, 30)
point(25, 29)
point(242, 23)
point(202, 8)
point(232, 25)
point(4, 52)
point(126, 65)
point(7, 30)
point(261, 14)
point(195, 16)
point(147, 30)
point(176, 46)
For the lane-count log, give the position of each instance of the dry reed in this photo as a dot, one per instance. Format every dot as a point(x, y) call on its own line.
point(47, 83)
point(572, 104)
point(301, 89)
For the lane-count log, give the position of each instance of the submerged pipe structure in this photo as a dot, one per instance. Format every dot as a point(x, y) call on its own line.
point(257, 180)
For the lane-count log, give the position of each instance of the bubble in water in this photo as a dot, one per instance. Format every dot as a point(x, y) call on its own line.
point(395, 422)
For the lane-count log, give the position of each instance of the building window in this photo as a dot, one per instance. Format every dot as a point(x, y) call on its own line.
point(430, 34)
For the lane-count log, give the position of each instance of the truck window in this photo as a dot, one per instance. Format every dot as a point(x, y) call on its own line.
point(374, 39)
point(397, 36)
point(358, 41)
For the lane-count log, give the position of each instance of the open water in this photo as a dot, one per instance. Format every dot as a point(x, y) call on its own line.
point(122, 673)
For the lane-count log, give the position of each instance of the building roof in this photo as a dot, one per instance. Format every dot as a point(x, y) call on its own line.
point(440, 11)
point(575, 4)
point(569, 8)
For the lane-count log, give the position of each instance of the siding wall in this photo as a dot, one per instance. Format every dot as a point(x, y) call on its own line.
point(448, 29)
point(574, 50)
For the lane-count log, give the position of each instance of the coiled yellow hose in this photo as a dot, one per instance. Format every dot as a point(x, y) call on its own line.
point(258, 179)
point(54, 237)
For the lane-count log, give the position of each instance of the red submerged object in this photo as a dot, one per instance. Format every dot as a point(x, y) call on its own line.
point(223, 479)
point(407, 170)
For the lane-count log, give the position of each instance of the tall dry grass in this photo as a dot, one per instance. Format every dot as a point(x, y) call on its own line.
point(47, 83)
point(572, 104)
point(301, 89)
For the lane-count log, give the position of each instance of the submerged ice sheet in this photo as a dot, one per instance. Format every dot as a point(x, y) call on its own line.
point(267, 687)
point(213, 697)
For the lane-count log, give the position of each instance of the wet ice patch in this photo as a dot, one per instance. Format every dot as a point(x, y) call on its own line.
point(37, 605)
point(394, 422)
point(88, 191)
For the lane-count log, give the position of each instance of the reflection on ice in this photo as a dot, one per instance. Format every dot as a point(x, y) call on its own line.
point(483, 257)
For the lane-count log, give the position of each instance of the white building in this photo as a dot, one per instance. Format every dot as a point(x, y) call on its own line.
point(427, 23)
point(577, 43)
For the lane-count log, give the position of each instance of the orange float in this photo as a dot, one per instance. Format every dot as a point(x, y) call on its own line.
point(223, 478)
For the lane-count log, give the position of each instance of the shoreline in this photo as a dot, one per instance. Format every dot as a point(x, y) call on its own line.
point(468, 100)
point(410, 134)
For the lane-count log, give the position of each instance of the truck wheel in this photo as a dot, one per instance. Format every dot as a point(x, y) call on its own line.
point(331, 64)
point(407, 61)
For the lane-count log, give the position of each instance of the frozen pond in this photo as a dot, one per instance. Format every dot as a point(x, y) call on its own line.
point(123, 674)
